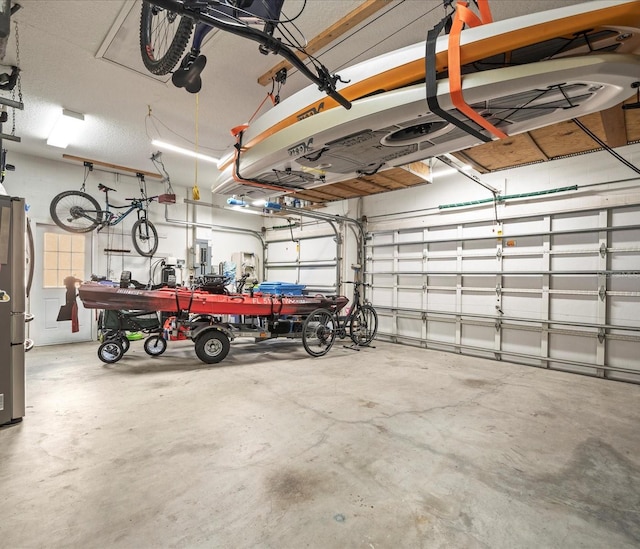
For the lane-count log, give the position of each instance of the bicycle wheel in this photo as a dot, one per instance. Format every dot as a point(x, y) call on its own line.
point(75, 211)
point(364, 325)
point(319, 332)
point(145, 237)
point(163, 37)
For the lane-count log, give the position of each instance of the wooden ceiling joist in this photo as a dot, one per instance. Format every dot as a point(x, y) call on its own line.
point(349, 21)
point(615, 128)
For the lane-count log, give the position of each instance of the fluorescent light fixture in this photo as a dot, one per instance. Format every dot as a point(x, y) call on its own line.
point(65, 129)
point(186, 152)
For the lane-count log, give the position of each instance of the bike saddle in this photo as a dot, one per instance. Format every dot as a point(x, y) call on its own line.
point(104, 188)
point(188, 75)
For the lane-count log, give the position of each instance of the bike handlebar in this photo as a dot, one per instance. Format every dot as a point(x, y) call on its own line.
point(324, 80)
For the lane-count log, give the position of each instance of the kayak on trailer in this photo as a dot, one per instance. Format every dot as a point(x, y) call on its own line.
point(100, 296)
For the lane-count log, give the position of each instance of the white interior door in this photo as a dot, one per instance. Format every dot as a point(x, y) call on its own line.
point(58, 254)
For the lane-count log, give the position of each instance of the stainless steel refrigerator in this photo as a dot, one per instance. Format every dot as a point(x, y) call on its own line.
point(12, 309)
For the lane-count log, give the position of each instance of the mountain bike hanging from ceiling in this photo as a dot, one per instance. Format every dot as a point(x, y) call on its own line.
point(78, 212)
point(166, 27)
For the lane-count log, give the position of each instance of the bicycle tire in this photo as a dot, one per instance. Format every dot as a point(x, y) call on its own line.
point(164, 35)
point(363, 326)
point(319, 332)
point(145, 237)
point(75, 211)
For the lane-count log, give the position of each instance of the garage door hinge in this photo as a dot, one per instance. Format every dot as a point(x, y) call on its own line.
point(603, 250)
point(498, 325)
point(499, 253)
point(602, 292)
point(498, 289)
point(601, 335)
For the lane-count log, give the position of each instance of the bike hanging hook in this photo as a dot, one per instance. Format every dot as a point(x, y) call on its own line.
point(142, 183)
point(88, 168)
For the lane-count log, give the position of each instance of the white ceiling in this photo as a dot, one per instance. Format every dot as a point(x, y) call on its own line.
point(65, 44)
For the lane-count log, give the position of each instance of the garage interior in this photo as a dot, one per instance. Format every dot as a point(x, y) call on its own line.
point(493, 408)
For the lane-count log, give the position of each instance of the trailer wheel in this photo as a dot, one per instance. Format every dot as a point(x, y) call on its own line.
point(212, 346)
point(319, 332)
point(110, 351)
point(155, 345)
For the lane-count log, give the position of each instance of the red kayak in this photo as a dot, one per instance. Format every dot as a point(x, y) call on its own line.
point(101, 296)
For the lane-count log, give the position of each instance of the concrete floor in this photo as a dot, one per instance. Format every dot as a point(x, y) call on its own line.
point(387, 447)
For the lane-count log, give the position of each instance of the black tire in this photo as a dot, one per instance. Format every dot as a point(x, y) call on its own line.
point(155, 345)
point(212, 346)
point(110, 351)
point(319, 332)
point(75, 211)
point(363, 326)
point(145, 237)
point(164, 35)
point(124, 343)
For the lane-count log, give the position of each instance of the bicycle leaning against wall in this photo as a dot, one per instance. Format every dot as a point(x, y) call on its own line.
point(79, 212)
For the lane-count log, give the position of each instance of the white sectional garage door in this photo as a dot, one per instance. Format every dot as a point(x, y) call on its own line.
point(312, 261)
point(559, 291)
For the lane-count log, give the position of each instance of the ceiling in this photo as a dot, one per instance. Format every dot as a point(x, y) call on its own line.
point(83, 55)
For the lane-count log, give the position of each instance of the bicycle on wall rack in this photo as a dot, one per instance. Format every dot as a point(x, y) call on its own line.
point(322, 326)
point(79, 212)
point(166, 27)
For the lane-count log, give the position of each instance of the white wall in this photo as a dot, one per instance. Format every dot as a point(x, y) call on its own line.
point(420, 205)
point(39, 180)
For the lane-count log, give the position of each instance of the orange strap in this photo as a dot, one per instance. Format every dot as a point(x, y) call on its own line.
point(465, 16)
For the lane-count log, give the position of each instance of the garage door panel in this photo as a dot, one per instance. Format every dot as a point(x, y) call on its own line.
point(381, 297)
point(441, 331)
point(581, 283)
point(576, 262)
point(441, 301)
point(575, 309)
point(282, 275)
point(410, 299)
point(279, 252)
point(531, 282)
point(479, 303)
point(522, 306)
point(441, 264)
point(478, 336)
point(410, 280)
point(474, 264)
point(629, 262)
point(442, 281)
point(523, 263)
point(410, 327)
point(318, 249)
point(624, 311)
point(623, 354)
point(573, 348)
point(521, 342)
point(575, 269)
point(410, 265)
point(319, 276)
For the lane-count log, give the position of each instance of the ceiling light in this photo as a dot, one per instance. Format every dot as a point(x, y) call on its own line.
point(66, 129)
point(186, 152)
